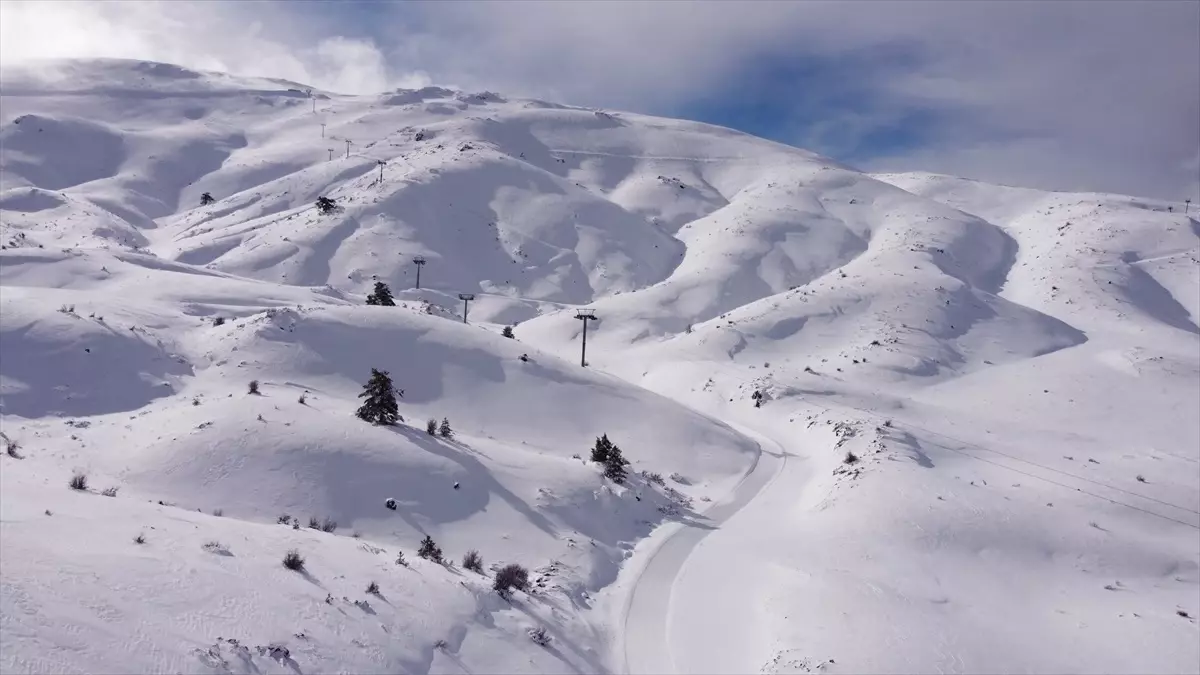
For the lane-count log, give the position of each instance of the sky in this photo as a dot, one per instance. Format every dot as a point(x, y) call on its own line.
point(1066, 95)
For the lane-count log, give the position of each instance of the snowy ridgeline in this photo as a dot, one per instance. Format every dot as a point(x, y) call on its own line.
point(832, 422)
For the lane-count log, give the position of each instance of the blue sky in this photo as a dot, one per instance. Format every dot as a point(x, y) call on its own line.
point(1069, 94)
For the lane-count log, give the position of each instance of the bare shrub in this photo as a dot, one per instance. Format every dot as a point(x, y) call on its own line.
point(216, 547)
point(253, 386)
point(473, 561)
point(539, 636)
point(509, 577)
point(293, 561)
point(372, 588)
point(140, 539)
point(110, 491)
point(78, 482)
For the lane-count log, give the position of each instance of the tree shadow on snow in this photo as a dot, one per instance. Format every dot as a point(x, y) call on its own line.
point(478, 474)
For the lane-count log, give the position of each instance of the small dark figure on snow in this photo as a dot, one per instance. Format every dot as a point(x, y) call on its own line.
point(758, 398)
point(390, 504)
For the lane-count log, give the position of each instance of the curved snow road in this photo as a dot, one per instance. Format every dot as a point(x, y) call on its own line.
point(647, 648)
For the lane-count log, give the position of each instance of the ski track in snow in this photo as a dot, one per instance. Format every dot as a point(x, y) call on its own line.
point(648, 619)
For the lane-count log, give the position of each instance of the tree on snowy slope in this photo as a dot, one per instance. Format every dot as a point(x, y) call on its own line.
point(614, 465)
point(326, 205)
point(381, 296)
point(206, 199)
point(430, 550)
point(380, 406)
point(601, 449)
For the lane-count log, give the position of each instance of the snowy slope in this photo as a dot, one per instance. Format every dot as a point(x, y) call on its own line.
point(1015, 373)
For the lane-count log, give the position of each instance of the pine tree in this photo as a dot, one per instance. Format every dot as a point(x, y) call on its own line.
point(444, 430)
point(206, 199)
point(614, 465)
point(380, 406)
point(381, 296)
point(508, 332)
point(601, 450)
point(429, 550)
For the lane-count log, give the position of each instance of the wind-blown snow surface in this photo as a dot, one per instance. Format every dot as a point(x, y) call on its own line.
point(977, 451)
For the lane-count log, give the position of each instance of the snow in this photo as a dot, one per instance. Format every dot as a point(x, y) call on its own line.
point(977, 446)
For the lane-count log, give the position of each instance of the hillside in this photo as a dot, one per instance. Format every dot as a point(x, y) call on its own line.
point(876, 423)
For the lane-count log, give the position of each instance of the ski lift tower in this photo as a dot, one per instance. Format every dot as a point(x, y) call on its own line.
point(585, 315)
point(466, 298)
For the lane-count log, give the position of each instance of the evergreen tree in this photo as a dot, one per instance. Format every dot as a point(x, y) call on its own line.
point(431, 427)
point(430, 550)
point(381, 296)
point(614, 465)
point(380, 406)
point(508, 332)
point(444, 430)
point(206, 199)
point(602, 448)
point(326, 205)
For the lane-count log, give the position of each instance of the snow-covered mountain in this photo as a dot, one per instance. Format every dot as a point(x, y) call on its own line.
point(876, 423)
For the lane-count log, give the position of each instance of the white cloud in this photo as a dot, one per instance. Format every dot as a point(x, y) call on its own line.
point(1100, 95)
point(259, 38)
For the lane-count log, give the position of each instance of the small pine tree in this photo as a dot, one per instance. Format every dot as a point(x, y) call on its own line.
point(431, 427)
point(381, 296)
point(380, 406)
point(430, 550)
point(206, 199)
point(444, 429)
point(508, 332)
point(614, 465)
point(601, 449)
point(325, 205)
